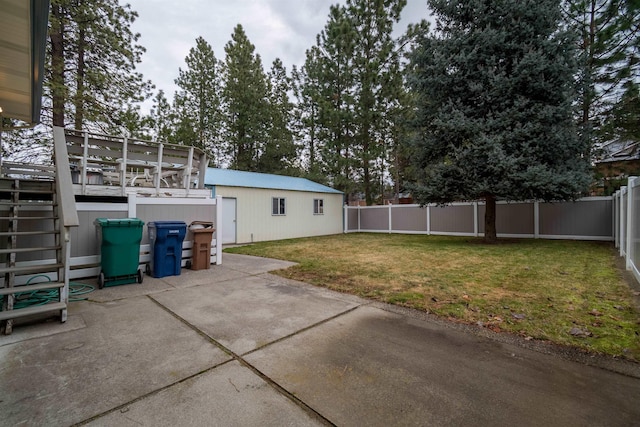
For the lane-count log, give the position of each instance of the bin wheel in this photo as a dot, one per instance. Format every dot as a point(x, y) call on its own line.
point(147, 269)
point(101, 280)
point(188, 264)
point(139, 276)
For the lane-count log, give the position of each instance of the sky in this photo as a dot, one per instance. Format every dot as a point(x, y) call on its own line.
point(282, 29)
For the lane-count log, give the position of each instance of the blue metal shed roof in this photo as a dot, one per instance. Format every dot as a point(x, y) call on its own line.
point(234, 178)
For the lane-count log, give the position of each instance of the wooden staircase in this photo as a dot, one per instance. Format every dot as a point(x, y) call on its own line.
point(32, 246)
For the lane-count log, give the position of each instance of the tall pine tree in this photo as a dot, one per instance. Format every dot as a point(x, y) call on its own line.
point(609, 59)
point(90, 80)
point(350, 82)
point(280, 152)
point(197, 103)
point(246, 102)
point(330, 68)
point(495, 86)
point(378, 84)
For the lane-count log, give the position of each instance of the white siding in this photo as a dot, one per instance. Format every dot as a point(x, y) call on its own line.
point(256, 223)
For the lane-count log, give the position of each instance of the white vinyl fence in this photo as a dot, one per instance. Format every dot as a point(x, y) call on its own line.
point(627, 224)
point(590, 218)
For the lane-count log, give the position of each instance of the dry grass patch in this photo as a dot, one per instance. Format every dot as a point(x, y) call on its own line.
point(567, 292)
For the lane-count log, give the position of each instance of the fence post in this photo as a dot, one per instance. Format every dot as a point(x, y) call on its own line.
point(428, 208)
point(536, 219)
point(390, 220)
point(358, 216)
point(623, 225)
point(475, 219)
point(629, 228)
point(616, 218)
point(345, 218)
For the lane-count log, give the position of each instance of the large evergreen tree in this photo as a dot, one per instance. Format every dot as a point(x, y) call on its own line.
point(495, 87)
point(161, 118)
point(280, 152)
point(245, 100)
point(90, 78)
point(306, 122)
point(197, 103)
point(378, 84)
point(347, 91)
point(330, 68)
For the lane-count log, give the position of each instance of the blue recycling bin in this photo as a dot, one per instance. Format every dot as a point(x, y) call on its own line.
point(165, 239)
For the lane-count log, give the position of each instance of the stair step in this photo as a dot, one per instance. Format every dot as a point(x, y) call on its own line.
point(42, 268)
point(27, 190)
point(27, 184)
point(34, 249)
point(22, 218)
point(28, 233)
point(31, 288)
point(29, 311)
point(27, 203)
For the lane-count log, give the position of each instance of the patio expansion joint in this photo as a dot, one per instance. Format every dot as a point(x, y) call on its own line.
point(240, 359)
point(125, 405)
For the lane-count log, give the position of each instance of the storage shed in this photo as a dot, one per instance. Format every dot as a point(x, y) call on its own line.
point(260, 207)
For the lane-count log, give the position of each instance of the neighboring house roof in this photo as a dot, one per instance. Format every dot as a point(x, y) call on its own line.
point(619, 150)
point(234, 178)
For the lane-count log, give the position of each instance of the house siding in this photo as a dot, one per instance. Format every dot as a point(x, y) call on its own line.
point(255, 222)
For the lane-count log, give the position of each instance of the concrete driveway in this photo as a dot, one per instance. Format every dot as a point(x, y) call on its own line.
point(236, 346)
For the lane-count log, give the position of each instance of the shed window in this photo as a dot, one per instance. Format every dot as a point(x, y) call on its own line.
point(318, 206)
point(278, 206)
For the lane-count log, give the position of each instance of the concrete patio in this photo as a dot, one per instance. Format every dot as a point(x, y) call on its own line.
point(237, 346)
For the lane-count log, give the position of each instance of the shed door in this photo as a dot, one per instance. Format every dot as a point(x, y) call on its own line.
point(228, 221)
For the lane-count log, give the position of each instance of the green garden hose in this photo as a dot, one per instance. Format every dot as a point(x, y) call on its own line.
point(27, 299)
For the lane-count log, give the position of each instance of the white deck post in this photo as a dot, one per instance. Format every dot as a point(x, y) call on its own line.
point(131, 203)
point(83, 166)
point(158, 175)
point(218, 230)
point(123, 167)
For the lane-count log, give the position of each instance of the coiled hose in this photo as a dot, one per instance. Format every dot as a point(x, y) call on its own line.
point(27, 299)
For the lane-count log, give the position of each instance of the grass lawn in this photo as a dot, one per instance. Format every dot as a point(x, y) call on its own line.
point(568, 292)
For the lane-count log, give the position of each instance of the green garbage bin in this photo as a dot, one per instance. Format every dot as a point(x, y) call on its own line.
point(120, 250)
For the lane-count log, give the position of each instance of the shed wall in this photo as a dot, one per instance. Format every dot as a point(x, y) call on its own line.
point(255, 223)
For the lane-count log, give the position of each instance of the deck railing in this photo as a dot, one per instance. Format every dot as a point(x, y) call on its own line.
point(123, 162)
point(67, 212)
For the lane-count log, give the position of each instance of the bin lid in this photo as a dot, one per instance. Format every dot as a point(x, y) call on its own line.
point(168, 224)
point(119, 222)
point(197, 225)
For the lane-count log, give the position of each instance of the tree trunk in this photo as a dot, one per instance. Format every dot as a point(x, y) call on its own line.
point(79, 98)
point(490, 219)
point(58, 89)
